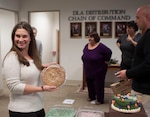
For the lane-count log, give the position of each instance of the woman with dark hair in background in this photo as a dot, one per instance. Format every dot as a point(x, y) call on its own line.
point(127, 44)
point(95, 59)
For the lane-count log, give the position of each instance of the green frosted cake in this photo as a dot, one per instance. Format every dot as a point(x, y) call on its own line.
point(126, 103)
point(61, 112)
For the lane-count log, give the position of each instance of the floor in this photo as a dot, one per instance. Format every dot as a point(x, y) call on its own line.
point(70, 90)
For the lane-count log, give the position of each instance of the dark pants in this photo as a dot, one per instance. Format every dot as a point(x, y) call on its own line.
point(96, 88)
point(40, 113)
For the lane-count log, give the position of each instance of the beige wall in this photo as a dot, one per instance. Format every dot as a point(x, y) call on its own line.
point(10, 4)
point(71, 49)
point(7, 21)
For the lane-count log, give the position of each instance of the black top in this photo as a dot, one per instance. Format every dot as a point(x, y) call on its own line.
point(140, 71)
point(127, 49)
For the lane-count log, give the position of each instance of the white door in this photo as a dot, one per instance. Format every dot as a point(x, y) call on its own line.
point(47, 24)
point(7, 21)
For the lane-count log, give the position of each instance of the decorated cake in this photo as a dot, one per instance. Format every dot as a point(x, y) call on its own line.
point(126, 103)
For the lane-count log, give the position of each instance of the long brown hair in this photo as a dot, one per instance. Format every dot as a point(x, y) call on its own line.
point(32, 51)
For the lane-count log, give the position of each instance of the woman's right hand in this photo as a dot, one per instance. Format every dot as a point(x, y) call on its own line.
point(49, 88)
point(121, 74)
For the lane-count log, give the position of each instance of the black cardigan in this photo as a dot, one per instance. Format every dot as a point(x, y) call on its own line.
point(140, 71)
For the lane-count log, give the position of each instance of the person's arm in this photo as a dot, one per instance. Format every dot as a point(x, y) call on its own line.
point(121, 74)
point(118, 44)
point(107, 54)
point(119, 41)
point(130, 39)
point(12, 75)
point(30, 89)
point(141, 66)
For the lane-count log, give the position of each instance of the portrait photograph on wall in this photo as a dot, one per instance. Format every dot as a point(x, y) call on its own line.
point(90, 27)
point(106, 29)
point(120, 29)
point(75, 29)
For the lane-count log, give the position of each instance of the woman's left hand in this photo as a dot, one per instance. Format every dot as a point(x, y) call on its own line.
point(48, 64)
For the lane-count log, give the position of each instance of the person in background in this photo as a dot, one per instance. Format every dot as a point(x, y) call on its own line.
point(140, 71)
point(127, 44)
point(38, 42)
point(23, 77)
point(95, 59)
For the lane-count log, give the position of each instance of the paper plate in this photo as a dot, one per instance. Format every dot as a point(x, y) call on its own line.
point(54, 75)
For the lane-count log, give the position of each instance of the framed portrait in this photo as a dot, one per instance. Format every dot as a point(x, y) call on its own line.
point(75, 29)
point(120, 29)
point(105, 29)
point(90, 27)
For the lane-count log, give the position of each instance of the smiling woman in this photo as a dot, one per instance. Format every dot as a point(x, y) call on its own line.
point(22, 39)
point(23, 77)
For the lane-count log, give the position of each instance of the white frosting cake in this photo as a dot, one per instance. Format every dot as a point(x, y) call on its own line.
point(126, 103)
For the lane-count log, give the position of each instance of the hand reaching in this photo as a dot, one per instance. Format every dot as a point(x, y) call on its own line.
point(121, 74)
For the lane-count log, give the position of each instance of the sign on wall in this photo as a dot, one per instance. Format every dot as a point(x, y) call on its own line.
point(101, 19)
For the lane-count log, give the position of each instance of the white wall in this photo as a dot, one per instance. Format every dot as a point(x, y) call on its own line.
point(1, 83)
point(47, 24)
point(7, 21)
point(71, 49)
point(10, 4)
